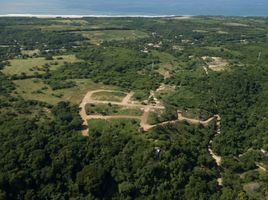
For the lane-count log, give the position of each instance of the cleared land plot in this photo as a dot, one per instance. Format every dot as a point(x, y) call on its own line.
point(35, 89)
point(167, 63)
point(235, 24)
point(93, 109)
point(215, 63)
point(109, 96)
point(97, 37)
point(253, 190)
point(72, 21)
point(30, 52)
point(31, 66)
point(164, 89)
point(153, 118)
point(196, 114)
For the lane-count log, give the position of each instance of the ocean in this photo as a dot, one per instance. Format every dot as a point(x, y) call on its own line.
point(136, 7)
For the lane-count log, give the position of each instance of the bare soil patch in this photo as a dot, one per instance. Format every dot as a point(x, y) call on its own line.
point(215, 63)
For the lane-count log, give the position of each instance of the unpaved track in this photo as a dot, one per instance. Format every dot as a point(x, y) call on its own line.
point(144, 118)
point(261, 167)
point(217, 158)
point(195, 121)
point(126, 102)
point(218, 131)
point(181, 118)
point(112, 117)
point(127, 98)
point(205, 69)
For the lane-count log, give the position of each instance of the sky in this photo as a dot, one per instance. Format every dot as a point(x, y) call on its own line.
point(139, 7)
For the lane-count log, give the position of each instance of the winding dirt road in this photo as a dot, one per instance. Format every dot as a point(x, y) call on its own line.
point(126, 102)
point(217, 158)
point(214, 155)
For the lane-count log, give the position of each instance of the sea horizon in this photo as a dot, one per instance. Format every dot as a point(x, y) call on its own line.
point(81, 16)
point(116, 16)
point(126, 8)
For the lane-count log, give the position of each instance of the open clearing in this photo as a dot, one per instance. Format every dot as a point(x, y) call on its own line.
point(109, 96)
point(179, 17)
point(42, 92)
point(234, 24)
point(215, 63)
point(88, 100)
point(31, 66)
point(30, 52)
point(167, 63)
point(97, 37)
point(93, 109)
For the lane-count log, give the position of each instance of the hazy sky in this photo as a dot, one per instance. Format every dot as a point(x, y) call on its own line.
point(161, 7)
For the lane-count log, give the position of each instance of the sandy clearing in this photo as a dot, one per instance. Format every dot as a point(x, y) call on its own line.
point(216, 63)
point(234, 24)
point(179, 17)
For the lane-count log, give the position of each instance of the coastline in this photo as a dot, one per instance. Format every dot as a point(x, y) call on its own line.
point(98, 16)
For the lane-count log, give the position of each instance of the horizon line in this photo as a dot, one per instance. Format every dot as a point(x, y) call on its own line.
point(115, 16)
point(81, 16)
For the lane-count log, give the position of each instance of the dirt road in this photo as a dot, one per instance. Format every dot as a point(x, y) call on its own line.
point(126, 102)
point(144, 118)
point(217, 158)
point(127, 98)
point(218, 131)
point(181, 118)
point(112, 117)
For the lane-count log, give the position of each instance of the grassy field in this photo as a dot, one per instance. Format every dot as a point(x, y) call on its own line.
point(196, 114)
point(31, 66)
point(72, 21)
point(167, 63)
point(109, 96)
point(101, 125)
point(97, 37)
point(35, 89)
point(30, 52)
point(152, 118)
point(93, 109)
point(253, 190)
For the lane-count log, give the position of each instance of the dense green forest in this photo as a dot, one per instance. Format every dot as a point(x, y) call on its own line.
point(208, 65)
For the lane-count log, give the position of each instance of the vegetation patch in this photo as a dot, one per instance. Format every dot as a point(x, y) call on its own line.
point(32, 66)
point(109, 96)
point(109, 109)
point(98, 37)
point(36, 89)
point(96, 125)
